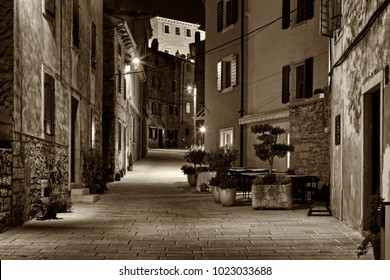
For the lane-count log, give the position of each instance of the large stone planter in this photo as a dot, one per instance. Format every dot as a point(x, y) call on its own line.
point(272, 196)
point(227, 196)
point(215, 193)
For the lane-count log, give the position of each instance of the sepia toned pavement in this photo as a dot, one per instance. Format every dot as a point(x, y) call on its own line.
point(152, 213)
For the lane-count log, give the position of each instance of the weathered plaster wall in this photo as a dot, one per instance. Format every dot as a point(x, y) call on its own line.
point(5, 188)
point(6, 72)
point(310, 135)
point(365, 61)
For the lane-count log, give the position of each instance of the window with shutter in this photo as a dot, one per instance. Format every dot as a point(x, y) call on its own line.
point(49, 90)
point(308, 77)
point(305, 10)
point(227, 13)
point(227, 73)
point(220, 16)
point(173, 85)
point(286, 14)
point(286, 84)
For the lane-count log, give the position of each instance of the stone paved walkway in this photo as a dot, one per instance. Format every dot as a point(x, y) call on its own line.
point(152, 213)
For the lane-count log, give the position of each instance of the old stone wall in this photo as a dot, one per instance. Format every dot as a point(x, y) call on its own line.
point(309, 133)
point(5, 188)
point(6, 72)
point(358, 74)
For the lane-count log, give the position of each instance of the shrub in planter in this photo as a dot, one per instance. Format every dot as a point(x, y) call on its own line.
point(194, 156)
point(130, 162)
point(271, 191)
point(372, 237)
point(221, 159)
point(117, 176)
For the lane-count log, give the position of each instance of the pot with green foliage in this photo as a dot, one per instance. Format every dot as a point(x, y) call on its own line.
point(270, 190)
point(372, 236)
point(195, 157)
point(221, 159)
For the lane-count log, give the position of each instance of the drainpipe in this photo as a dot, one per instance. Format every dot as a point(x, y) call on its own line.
point(242, 83)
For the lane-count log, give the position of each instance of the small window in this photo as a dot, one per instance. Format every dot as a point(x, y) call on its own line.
point(173, 85)
point(93, 45)
point(305, 10)
point(187, 131)
point(166, 29)
point(119, 50)
point(227, 13)
point(188, 107)
point(304, 79)
point(177, 30)
point(76, 28)
point(189, 32)
point(119, 82)
point(49, 110)
point(171, 110)
point(119, 136)
point(176, 111)
point(50, 10)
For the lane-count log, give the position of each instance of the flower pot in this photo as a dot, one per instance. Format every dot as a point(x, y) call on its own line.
point(191, 178)
point(272, 196)
point(215, 192)
point(227, 196)
point(129, 168)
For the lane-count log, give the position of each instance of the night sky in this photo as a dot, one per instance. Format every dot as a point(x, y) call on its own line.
point(187, 10)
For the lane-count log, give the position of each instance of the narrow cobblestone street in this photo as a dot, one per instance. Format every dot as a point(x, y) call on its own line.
point(152, 213)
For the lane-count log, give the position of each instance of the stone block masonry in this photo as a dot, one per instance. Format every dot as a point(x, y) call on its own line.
point(310, 135)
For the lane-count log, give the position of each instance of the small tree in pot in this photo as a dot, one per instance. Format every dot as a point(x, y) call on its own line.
point(195, 156)
point(265, 194)
point(221, 159)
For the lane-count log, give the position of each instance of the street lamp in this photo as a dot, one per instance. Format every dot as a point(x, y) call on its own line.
point(202, 130)
point(192, 90)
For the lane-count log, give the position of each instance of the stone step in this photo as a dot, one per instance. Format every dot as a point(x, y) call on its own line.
point(83, 191)
point(89, 198)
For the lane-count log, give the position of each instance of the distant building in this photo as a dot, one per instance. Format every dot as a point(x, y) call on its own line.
point(170, 104)
point(51, 77)
point(174, 36)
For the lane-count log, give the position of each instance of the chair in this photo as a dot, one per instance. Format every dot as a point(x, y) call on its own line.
point(311, 188)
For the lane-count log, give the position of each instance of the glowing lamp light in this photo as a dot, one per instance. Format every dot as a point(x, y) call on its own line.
point(136, 62)
point(202, 129)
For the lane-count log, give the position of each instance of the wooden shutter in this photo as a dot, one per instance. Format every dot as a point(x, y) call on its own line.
point(309, 9)
point(219, 16)
point(308, 77)
point(234, 11)
point(233, 70)
point(286, 84)
point(286, 14)
point(219, 76)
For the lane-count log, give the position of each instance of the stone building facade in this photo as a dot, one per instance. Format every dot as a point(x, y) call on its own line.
point(174, 36)
point(123, 83)
point(198, 55)
point(170, 105)
point(51, 92)
point(360, 121)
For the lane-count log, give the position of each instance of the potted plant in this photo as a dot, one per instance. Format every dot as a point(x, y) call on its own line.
point(221, 159)
point(130, 162)
point(372, 237)
point(93, 174)
point(271, 191)
point(194, 156)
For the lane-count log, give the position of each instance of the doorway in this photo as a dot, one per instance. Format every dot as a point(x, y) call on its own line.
point(73, 136)
point(372, 151)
